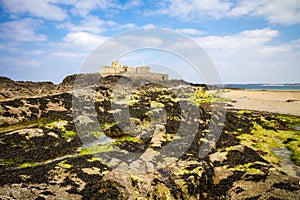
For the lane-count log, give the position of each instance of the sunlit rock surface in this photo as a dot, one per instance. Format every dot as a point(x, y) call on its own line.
point(44, 154)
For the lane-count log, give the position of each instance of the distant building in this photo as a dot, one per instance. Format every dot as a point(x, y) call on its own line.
point(142, 72)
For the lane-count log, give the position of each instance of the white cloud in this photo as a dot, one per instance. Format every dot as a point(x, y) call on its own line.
point(252, 56)
point(83, 40)
point(66, 2)
point(37, 8)
point(191, 31)
point(275, 11)
point(137, 40)
point(149, 26)
point(21, 30)
point(125, 26)
point(16, 62)
point(295, 44)
point(93, 24)
point(248, 39)
point(83, 8)
point(90, 24)
point(63, 54)
point(243, 8)
point(278, 11)
point(38, 52)
point(31, 63)
point(194, 9)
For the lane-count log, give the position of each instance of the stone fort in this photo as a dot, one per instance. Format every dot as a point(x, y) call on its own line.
point(140, 72)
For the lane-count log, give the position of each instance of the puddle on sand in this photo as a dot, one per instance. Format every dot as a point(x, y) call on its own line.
point(103, 139)
point(296, 127)
point(287, 165)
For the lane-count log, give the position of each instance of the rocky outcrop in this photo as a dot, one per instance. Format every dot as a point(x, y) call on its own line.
point(17, 89)
point(142, 144)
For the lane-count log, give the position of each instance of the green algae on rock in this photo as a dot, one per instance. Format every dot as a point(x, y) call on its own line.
point(42, 156)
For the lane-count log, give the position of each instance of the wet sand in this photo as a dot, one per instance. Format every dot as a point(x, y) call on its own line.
point(284, 102)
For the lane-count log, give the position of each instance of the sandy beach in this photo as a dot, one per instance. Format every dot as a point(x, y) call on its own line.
point(284, 102)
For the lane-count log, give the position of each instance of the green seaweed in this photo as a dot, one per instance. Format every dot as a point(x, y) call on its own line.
point(96, 149)
point(163, 192)
point(108, 125)
point(290, 120)
point(42, 122)
point(94, 159)
point(26, 165)
point(126, 138)
point(264, 140)
point(176, 118)
point(69, 134)
point(246, 167)
point(156, 104)
point(132, 102)
point(201, 96)
point(55, 124)
point(242, 112)
point(169, 98)
point(64, 165)
point(294, 147)
point(6, 162)
point(97, 134)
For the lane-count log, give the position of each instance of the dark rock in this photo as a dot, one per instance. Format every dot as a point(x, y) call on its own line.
point(41, 160)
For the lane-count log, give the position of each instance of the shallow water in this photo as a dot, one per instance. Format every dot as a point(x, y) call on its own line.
point(287, 165)
point(264, 86)
point(103, 139)
point(296, 127)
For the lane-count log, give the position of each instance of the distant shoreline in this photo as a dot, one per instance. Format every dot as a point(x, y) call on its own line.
point(269, 87)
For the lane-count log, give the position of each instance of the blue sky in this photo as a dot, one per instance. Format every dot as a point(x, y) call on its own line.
point(248, 41)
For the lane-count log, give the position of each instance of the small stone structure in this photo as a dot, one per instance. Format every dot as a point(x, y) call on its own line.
point(142, 72)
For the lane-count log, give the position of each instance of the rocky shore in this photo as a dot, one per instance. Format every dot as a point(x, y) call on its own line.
point(176, 142)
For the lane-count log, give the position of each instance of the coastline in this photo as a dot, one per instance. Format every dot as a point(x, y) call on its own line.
point(276, 101)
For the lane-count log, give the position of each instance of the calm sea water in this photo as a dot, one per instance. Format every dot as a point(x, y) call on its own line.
point(264, 86)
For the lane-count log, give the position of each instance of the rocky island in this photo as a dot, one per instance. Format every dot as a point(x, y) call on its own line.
point(51, 149)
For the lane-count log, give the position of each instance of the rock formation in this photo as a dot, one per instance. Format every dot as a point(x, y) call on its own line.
point(44, 155)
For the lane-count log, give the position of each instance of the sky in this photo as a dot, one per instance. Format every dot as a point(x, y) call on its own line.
point(255, 41)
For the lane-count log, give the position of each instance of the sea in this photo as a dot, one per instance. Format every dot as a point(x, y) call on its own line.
point(264, 86)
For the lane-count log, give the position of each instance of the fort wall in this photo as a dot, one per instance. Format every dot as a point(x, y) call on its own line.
point(152, 76)
point(142, 72)
point(131, 70)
